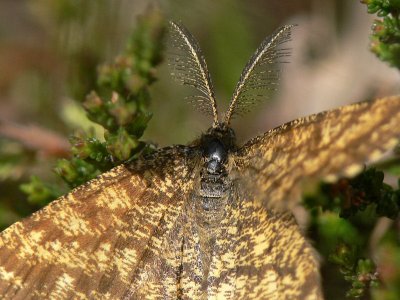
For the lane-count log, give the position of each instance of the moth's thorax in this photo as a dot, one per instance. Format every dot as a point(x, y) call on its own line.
point(214, 185)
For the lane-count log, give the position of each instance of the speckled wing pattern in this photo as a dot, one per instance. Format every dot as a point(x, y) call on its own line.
point(326, 145)
point(91, 243)
point(132, 234)
point(258, 254)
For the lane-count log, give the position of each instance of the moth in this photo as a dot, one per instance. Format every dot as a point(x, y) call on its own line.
point(210, 220)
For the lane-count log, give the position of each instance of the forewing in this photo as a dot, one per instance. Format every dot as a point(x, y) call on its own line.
point(326, 145)
point(92, 242)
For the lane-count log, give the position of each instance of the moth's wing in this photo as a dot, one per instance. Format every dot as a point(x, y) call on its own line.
point(92, 242)
point(263, 255)
point(272, 259)
point(326, 145)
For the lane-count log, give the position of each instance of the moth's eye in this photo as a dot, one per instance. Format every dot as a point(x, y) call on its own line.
point(215, 150)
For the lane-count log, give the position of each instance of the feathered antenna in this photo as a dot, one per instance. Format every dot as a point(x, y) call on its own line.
point(259, 75)
point(189, 68)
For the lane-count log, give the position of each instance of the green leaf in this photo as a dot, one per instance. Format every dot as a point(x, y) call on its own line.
point(40, 193)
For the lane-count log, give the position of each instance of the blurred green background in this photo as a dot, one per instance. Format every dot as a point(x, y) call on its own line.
point(51, 57)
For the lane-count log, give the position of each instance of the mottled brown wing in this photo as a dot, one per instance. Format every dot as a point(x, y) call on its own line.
point(326, 145)
point(94, 242)
point(261, 254)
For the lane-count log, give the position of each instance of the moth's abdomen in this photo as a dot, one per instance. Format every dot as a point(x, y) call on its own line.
point(211, 196)
point(213, 186)
point(209, 208)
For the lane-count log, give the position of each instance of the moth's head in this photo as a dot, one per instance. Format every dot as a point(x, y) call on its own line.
point(215, 144)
